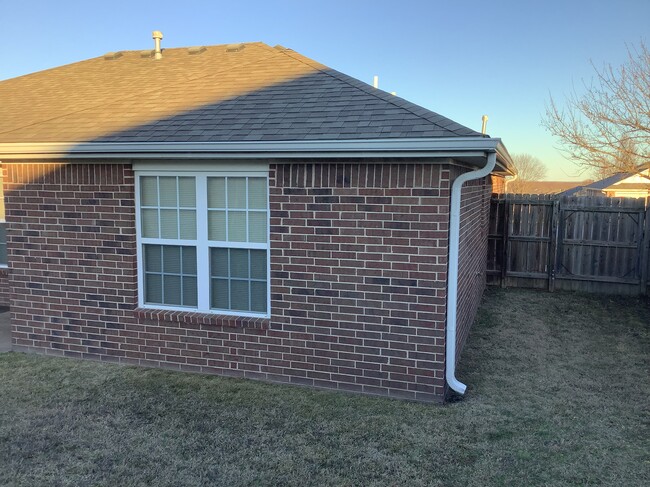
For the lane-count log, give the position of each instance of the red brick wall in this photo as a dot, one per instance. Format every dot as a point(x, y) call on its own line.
point(71, 245)
point(475, 209)
point(358, 253)
point(359, 266)
point(498, 184)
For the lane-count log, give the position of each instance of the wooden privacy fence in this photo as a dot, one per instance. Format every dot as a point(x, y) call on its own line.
point(578, 242)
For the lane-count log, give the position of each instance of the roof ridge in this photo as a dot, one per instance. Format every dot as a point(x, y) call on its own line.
point(260, 43)
point(133, 95)
point(181, 48)
point(26, 75)
point(399, 102)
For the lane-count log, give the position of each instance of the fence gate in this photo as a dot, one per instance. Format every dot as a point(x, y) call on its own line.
point(578, 243)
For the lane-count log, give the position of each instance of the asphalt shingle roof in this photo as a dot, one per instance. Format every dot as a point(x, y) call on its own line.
point(607, 182)
point(252, 94)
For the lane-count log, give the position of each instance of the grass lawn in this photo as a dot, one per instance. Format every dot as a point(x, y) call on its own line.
point(558, 395)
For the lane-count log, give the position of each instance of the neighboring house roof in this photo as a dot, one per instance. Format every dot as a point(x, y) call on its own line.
point(216, 94)
point(616, 182)
point(605, 183)
point(544, 187)
point(571, 191)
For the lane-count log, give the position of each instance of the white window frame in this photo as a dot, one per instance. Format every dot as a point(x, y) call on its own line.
point(4, 265)
point(201, 243)
point(3, 221)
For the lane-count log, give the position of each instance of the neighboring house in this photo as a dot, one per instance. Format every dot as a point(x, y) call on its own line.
point(542, 187)
point(245, 211)
point(620, 185)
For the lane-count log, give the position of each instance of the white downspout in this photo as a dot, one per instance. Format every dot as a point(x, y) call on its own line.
point(507, 181)
point(452, 287)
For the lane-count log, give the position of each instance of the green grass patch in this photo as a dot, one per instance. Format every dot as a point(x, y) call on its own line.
point(558, 395)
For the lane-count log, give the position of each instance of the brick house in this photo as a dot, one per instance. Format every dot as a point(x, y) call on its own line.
point(245, 211)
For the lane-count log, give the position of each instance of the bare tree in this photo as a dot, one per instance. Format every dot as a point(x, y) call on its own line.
point(529, 168)
point(607, 129)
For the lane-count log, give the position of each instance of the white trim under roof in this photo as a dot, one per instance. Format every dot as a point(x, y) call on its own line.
point(464, 148)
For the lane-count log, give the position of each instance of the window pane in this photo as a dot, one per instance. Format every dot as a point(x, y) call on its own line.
point(3, 241)
point(257, 193)
point(187, 192)
point(239, 295)
point(237, 193)
point(258, 264)
point(219, 262)
point(189, 260)
point(190, 294)
point(257, 226)
point(149, 191)
point(168, 191)
point(236, 226)
point(220, 295)
point(216, 192)
point(172, 290)
point(217, 225)
point(164, 281)
point(168, 223)
point(258, 297)
point(171, 259)
point(153, 288)
point(150, 223)
point(188, 224)
point(239, 263)
point(153, 258)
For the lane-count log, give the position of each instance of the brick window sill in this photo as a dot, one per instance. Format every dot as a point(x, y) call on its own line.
point(194, 318)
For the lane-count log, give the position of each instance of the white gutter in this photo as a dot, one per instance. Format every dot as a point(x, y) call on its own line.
point(470, 150)
point(452, 286)
point(438, 144)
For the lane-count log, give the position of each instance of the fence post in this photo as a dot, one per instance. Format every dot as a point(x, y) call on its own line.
point(506, 232)
point(644, 261)
point(552, 246)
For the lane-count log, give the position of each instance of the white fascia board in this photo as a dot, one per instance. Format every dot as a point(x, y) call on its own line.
point(251, 149)
point(440, 147)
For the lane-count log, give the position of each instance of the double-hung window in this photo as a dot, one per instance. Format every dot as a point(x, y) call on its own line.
point(203, 241)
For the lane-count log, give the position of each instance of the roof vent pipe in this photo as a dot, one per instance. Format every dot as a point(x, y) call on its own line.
point(484, 127)
point(375, 82)
point(157, 37)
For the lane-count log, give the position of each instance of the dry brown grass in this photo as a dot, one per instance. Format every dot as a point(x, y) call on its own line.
point(558, 395)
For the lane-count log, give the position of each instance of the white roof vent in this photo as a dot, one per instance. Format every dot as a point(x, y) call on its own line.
point(157, 37)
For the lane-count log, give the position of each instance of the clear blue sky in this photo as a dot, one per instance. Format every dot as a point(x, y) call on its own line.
point(462, 59)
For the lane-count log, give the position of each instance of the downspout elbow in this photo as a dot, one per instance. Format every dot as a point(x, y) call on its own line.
point(452, 286)
point(508, 181)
